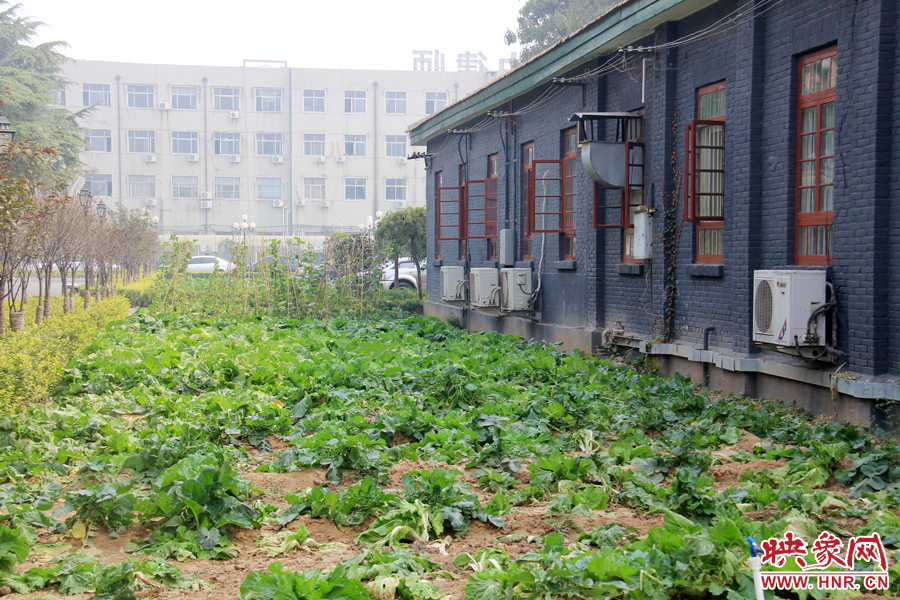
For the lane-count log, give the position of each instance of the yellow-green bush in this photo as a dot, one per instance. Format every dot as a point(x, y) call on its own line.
point(140, 293)
point(31, 361)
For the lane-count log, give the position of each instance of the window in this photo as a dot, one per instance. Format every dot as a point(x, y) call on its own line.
point(396, 146)
point(815, 157)
point(314, 188)
point(570, 161)
point(527, 209)
point(615, 207)
point(226, 143)
point(354, 102)
point(268, 188)
point(185, 187)
point(140, 96)
point(100, 185)
point(268, 144)
point(59, 96)
point(98, 140)
point(435, 101)
point(355, 145)
point(228, 188)
point(185, 142)
point(395, 103)
point(355, 188)
point(268, 100)
point(438, 184)
point(184, 97)
point(142, 186)
point(142, 141)
point(705, 168)
point(395, 189)
point(490, 202)
point(314, 144)
point(95, 94)
point(226, 99)
point(313, 100)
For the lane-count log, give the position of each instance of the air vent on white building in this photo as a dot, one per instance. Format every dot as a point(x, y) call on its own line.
point(326, 203)
point(206, 204)
point(300, 202)
point(278, 203)
point(235, 158)
point(402, 160)
point(235, 114)
point(340, 158)
point(277, 160)
point(206, 195)
point(401, 203)
point(150, 201)
point(150, 157)
point(193, 157)
point(164, 106)
point(320, 159)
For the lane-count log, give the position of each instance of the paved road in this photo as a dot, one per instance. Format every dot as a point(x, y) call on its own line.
point(55, 287)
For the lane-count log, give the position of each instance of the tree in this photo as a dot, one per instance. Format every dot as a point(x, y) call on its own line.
point(402, 231)
point(542, 23)
point(28, 75)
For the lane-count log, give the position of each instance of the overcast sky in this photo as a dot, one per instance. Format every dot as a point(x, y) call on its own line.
point(349, 34)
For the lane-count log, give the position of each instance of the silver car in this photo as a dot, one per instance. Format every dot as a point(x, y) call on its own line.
point(408, 280)
point(208, 264)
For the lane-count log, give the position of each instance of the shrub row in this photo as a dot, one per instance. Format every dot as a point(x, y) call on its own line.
point(31, 361)
point(140, 293)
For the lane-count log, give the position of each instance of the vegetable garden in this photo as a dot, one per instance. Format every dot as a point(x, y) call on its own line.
point(395, 456)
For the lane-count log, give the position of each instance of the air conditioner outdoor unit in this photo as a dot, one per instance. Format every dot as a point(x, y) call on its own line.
point(320, 159)
point(150, 157)
point(340, 158)
point(206, 204)
point(206, 195)
point(235, 114)
point(164, 106)
point(235, 158)
point(401, 203)
point(515, 289)
point(150, 201)
point(453, 284)
point(277, 160)
point(326, 203)
point(193, 157)
point(484, 289)
point(300, 202)
point(278, 203)
point(402, 160)
point(783, 301)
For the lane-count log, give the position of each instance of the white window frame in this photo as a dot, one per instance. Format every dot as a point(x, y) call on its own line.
point(133, 139)
point(218, 97)
point(310, 144)
point(391, 186)
point(275, 186)
point(137, 184)
point(352, 147)
point(146, 92)
point(180, 137)
point(192, 98)
point(434, 99)
point(185, 189)
point(355, 183)
point(93, 184)
point(59, 95)
point(312, 186)
point(88, 95)
point(314, 100)
point(107, 139)
point(394, 148)
point(397, 109)
point(269, 141)
point(275, 98)
point(352, 102)
point(225, 190)
point(219, 140)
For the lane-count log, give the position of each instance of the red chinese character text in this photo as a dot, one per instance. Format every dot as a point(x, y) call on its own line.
point(826, 549)
point(867, 548)
point(776, 549)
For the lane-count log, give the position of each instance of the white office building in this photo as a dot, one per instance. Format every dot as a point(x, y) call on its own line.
point(300, 151)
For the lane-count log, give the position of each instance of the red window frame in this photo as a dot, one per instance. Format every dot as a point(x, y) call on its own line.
point(698, 151)
point(570, 162)
point(527, 208)
point(491, 184)
point(813, 227)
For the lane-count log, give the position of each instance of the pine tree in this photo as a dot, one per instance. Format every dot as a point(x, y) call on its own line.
point(28, 76)
point(542, 23)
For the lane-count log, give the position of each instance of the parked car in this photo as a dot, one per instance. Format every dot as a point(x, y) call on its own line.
point(208, 264)
point(288, 264)
point(408, 279)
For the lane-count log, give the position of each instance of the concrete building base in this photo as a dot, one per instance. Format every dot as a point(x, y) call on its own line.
point(858, 400)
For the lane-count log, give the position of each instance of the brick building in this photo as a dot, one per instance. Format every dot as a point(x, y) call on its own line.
point(720, 140)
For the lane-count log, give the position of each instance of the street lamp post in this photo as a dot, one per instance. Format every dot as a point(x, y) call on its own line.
point(244, 229)
point(101, 213)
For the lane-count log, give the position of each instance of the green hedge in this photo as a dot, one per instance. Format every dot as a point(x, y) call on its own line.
point(140, 293)
point(31, 361)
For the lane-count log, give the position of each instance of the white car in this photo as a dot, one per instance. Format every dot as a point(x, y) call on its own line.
point(408, 279)
point(208, 264)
